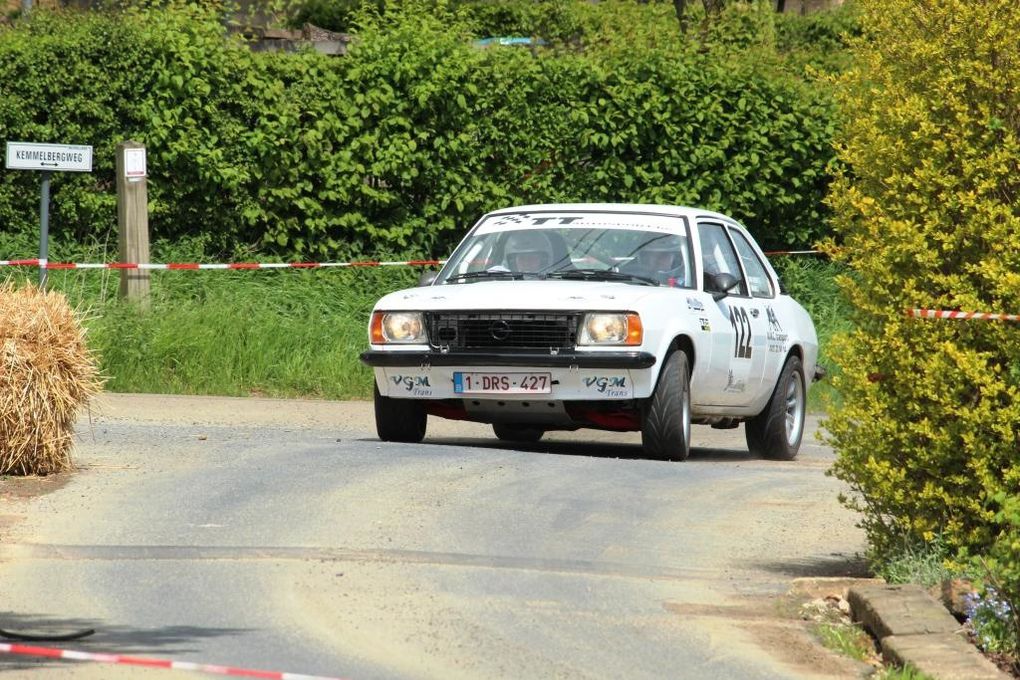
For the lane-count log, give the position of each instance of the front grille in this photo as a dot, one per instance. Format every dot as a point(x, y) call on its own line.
point(502, 330)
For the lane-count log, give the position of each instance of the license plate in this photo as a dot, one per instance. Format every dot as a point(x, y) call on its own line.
point(502, 383)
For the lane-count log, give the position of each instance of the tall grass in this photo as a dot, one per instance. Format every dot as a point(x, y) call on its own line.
point(273, 333)
point(279, 333)
point(921, 563)
point(812, 282)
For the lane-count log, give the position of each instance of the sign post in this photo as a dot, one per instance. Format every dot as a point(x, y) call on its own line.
point(47, 158)
point(44, 228)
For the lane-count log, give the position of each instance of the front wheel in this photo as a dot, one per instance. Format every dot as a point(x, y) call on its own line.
point(517, 433)
point(666, 421)
point(775, 433)
point(399, 420)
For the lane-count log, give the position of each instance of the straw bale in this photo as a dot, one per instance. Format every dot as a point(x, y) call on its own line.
point(47, 375)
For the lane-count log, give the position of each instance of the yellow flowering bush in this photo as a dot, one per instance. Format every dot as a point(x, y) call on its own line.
point(927, 215)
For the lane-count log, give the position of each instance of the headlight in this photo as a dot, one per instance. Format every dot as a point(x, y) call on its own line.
point(400, 327)
point(601, 328)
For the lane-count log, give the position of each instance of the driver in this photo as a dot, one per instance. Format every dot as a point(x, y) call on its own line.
point(527, 251)
point(660, 259)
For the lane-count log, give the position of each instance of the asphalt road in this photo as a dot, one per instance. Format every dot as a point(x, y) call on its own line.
point(281, 535)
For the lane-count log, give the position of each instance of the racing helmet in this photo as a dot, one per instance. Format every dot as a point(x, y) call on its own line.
point(662, 258)
point(527, 251)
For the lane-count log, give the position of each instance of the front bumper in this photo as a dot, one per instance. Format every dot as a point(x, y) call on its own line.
point(605, 360)
point(574, 376)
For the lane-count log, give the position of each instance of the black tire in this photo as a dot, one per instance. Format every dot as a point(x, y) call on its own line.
point(776, 432)
point(517, 433)
point(399, 420)
point(666, 420)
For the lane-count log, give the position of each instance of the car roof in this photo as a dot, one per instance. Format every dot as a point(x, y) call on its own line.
point(659, 209)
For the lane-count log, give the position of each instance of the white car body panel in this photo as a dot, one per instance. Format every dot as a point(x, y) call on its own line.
point(740, 343)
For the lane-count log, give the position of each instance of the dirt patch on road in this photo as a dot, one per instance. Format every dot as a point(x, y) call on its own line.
point(774, 624)
point(793, 643)
point(14, 491)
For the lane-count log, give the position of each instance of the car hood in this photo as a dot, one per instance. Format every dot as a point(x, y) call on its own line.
point(530, 295)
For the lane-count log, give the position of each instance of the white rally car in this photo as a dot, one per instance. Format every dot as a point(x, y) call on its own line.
point(616, 317)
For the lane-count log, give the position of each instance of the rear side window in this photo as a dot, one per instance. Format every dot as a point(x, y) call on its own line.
point(757, 278)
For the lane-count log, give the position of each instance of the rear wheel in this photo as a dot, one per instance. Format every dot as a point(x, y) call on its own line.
point(775, 433)
point(517, 433)
point(666, 421)
point(399, 420)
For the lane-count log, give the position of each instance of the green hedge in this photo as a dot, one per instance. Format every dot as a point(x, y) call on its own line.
point(401, 144)
point(928, 433)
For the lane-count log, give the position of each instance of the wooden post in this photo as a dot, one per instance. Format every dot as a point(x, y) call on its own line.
point(133, 220)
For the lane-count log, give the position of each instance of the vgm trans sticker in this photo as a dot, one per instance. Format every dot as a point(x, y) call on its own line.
point(610, 386)
point(414, 385)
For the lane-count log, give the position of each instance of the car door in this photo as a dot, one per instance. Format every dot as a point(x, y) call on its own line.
point(739, 324)
point(763, 289)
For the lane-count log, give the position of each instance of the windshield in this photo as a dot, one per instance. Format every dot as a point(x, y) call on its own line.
point(630, 248)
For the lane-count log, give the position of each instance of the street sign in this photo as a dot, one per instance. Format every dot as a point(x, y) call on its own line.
point(49, 157)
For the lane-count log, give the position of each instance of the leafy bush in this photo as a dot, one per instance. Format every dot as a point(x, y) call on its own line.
point(551, 20)
point(928, 217)
point(818, 40)
point(335, 15)
point(94, 78)
point(555, 21)
point(996, 613)
point(403, 142)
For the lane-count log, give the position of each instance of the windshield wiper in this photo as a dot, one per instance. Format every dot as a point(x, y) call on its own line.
point(496, 274)
point(600, 275)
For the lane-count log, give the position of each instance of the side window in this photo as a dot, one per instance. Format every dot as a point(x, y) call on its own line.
point(717, 254)
point(757, 277)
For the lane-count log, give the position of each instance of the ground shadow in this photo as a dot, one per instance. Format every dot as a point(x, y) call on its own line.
point(838, 565)
point(113, 639)
point(587, 449)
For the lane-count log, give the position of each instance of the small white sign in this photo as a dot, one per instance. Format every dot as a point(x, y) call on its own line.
point(59, 157)
point(134, 163)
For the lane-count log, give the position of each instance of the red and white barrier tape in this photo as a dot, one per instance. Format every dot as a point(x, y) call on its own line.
point(50, 652)
point(943, 314)
point(770, 253)
point(44, 264)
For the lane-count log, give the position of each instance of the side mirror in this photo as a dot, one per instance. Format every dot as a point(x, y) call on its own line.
point(427, 278)
point(721, 284)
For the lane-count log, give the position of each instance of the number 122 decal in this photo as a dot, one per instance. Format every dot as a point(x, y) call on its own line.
point(742, 327)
